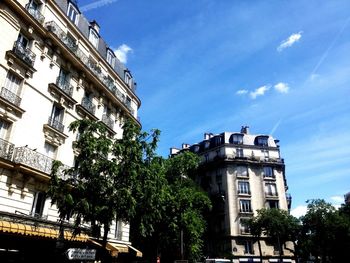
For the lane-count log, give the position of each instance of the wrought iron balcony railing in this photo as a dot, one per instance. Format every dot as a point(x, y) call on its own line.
point(35, 13)
point(90, 64)
point(6, 149)
point(88, 105)
point(24, 53)
point(65, 86)
point(106, 119)
point(38, 161)
point(67, 41)
point(56, 124)
point(10, 96)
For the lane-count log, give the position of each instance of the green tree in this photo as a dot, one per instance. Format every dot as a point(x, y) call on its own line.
point(326, 232)
point(100, 187)
point(170, 203)
point(276, 224)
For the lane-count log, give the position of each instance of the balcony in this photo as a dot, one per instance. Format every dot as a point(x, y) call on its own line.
point(88, 105)
point(65, 86)
point(55, 124)
point(93, 67)
point(106, 119)
point(38, 161)
point(6, 149)
point(10, 96)
point(25, 54)
point(35, 13)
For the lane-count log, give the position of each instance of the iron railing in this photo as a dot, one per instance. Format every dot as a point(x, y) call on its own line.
point(24, 53)
point(54, 123)
point(38, 161)
point(89, 63)
point(64, 85)
point(6, 149)
point(10, 96)
point(88, 105)
point(35, 13)
point(106, 119)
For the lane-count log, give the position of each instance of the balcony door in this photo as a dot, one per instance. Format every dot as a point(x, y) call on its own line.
point(12, 83)
point(22, 41)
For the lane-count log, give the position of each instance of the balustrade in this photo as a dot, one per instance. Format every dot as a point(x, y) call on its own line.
point(10, 96)
point(6, 149)
point(65, 86)
point(24, 53)
point(35, 13)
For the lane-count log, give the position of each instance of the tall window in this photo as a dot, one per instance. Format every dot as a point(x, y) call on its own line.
point(243, 187)
point(127, 77)
point(242, 171)
point(93, 37)
point(50, 150)
point(118, 230)
point(270, 189)
point(262, 140)
point(268, 172)
point(4, 126)
point(72, 13)
point(248, 247)
point(110, 57)
point(38, 204)
point(239, 152)
point(245, 206)
point(243, 226)
point(12, 83)
point(56, 117)
point(22, 41)
point(272, 204)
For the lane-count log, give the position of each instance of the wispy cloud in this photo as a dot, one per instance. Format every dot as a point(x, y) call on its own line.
point(259, 91)
point(242, 92)
point(337, 199)
point(122, 52)
point(289, 41)
point(282, 87)
point(275, 127)
point(96, 4)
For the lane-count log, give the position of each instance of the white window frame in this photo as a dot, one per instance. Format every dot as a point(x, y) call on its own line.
point(50, 150)
point(35, 203)
point(110, 57)
point(243, 187)
point(93, 37)
point(245, 206)
point(4, 128)
point(268, 172)
point(12, 82)
point(239, 152)
point(72, 13)
point(271, 189)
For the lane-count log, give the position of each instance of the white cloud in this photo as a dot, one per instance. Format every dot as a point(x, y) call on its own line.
point(299, 211)
point(282, 87)
point(96, 4)
point(289, 41)
point(337, 199)
point(122, 52)
point(259, 92)
point(242, 92)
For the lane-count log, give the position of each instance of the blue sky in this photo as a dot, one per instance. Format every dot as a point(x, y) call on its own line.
point(281, 67)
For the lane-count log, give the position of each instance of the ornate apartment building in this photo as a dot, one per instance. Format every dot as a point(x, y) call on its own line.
point(54, 68)
point(242, 173)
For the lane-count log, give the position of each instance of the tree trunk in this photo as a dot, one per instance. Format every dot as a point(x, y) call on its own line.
point(260, 252)
point(105, 234)
point(280, 249)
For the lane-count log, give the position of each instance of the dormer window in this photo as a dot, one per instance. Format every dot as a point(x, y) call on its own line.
point(110, 57)
point(261, 140)
point(236, 138)
point(127, 77)
point(93, 37)
point(72, 13)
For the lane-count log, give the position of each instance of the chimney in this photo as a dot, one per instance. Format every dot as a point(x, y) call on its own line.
point(206, 136)
point(95, 26)
point(245, 129)
point(174, 151)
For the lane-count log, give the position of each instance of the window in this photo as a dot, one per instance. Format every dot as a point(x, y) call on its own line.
point(243, 226)
point(272, 204)
point(268, 172)
point(127, 77)
point(216, 141)
point(50, 150)
point(110, 57)
point(33, 5)
point(242, 171)
point(236, 138)
point(118, 230)
point(73, 13)
point(265, 154)
point(262, 140)
point(4, 127)
point(93, 37)
point(56, 117)
point(63, 77)
point(243, 187)
point(38, 204)
point(12, 83)
point(245, 206)
point(270, 189)
point(22, 41)
point(239, 152)
point(248, 247)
